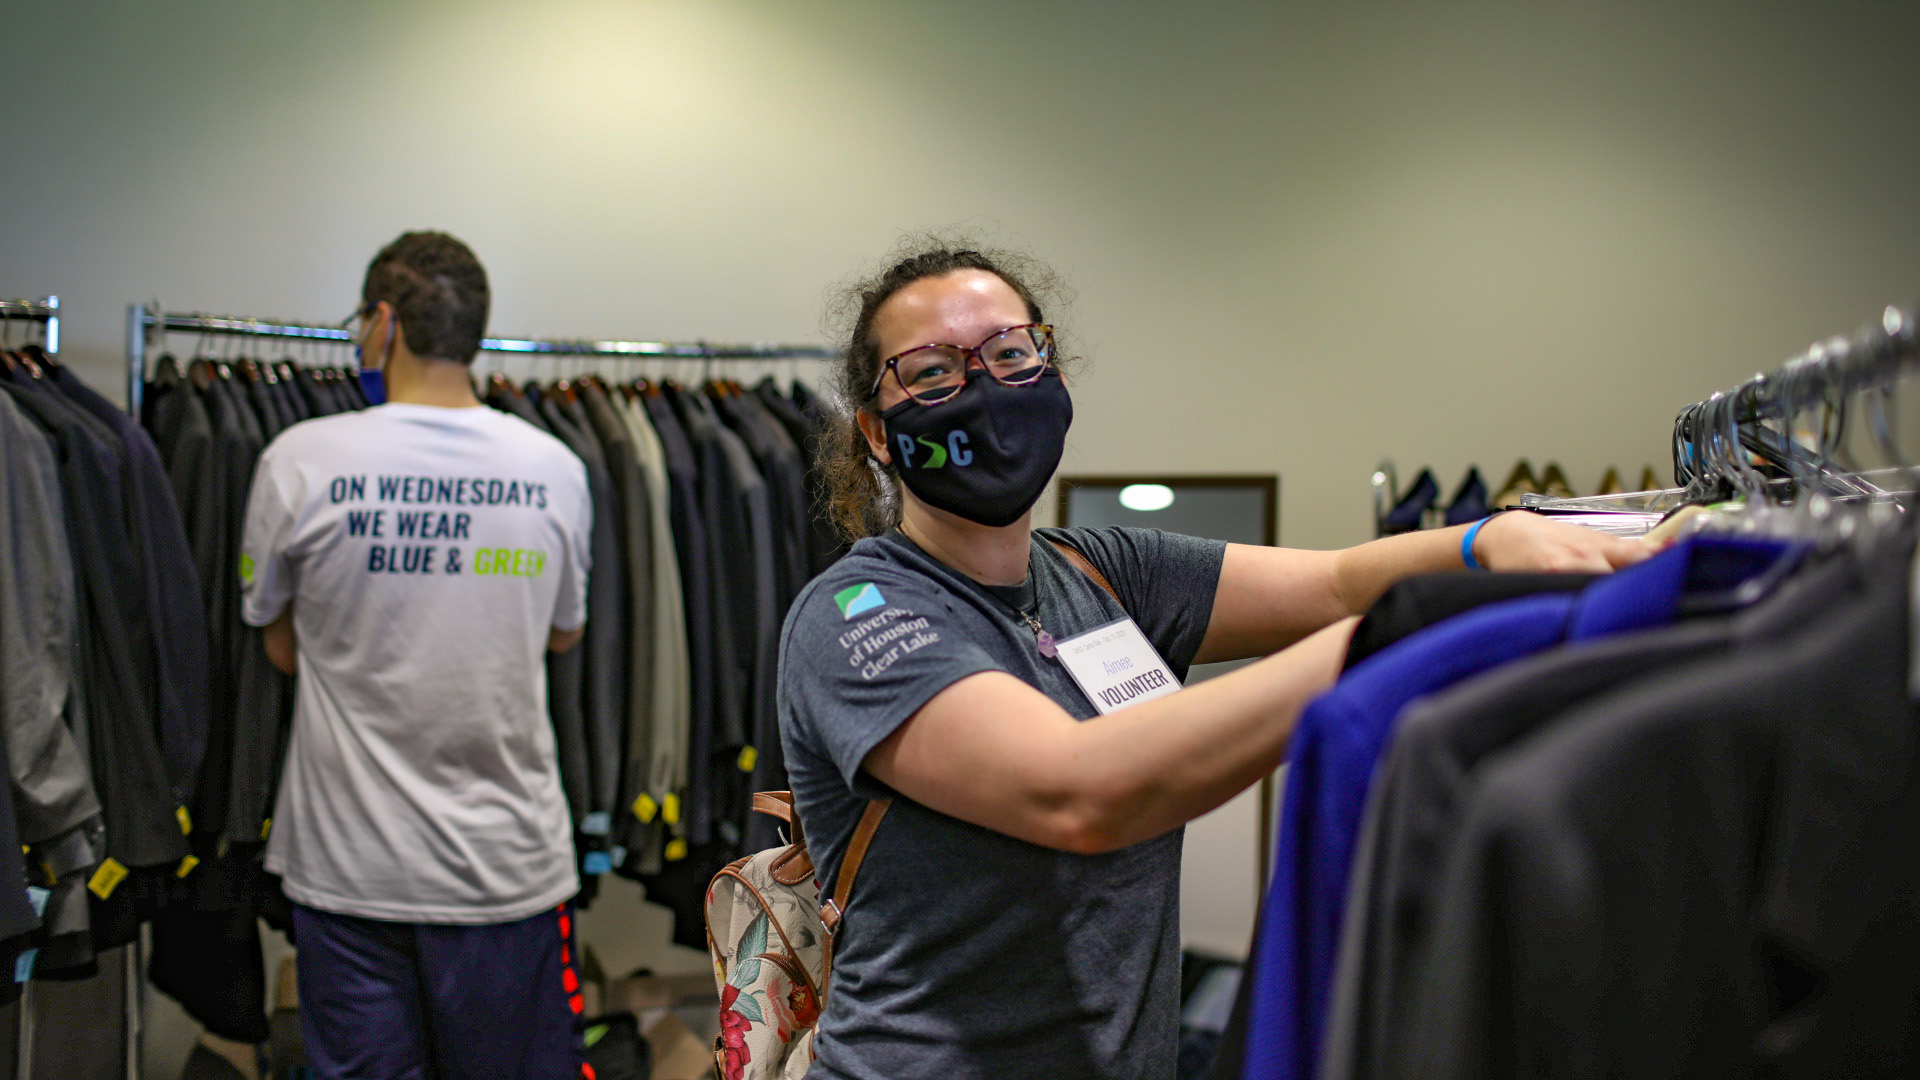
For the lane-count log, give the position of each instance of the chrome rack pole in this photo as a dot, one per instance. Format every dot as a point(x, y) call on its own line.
point(138, 320)
point(53, 326)
point(25, 1032)
point(135, 997)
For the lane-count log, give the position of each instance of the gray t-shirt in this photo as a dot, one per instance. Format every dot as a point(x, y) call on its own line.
point(966, 952)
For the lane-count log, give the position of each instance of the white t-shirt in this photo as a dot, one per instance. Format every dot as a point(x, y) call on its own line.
point(427, 552)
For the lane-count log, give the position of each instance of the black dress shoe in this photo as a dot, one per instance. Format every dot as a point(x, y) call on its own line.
point(1412, 508)
point(1469, 499)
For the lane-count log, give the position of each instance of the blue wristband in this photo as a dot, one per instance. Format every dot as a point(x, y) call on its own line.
point(1466, 542)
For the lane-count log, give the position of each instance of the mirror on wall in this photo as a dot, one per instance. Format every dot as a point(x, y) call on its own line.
point(1237, 509)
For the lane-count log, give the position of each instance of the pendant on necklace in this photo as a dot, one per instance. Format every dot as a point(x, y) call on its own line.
point(1048, 647)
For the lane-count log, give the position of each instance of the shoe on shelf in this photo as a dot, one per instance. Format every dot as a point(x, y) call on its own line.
point(1553, 483)
point(1610, 483)
point(1519, 482)
point(1469, 499)
point(1406, 516)
point(1648, 481)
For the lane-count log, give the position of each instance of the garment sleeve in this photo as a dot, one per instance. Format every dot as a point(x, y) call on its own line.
point(570, 605)
point(862, 654)
point(266, 572)
point(1166, 581)
point(52, 782)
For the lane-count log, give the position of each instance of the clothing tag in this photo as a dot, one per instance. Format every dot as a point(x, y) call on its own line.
point(107, 878)
point(596, 824)
point(186, 866)
point(597, 863)
point(617, 856)
point(23, 967)
point(266, 827)
point(670, 809)
point(37, 899)
point(185, 819)
point(676, 850)
point(748, 756)
point(1116, 666)
point(645, 808)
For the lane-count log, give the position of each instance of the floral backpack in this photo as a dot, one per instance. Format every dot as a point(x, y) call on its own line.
point(772, 946)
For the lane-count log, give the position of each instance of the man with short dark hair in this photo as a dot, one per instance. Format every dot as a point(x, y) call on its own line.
point(409, 563)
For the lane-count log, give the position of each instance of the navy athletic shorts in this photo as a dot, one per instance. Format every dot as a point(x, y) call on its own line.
point(421, 1001)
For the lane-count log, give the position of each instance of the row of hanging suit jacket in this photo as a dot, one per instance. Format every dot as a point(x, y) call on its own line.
point(210, 422)
point(704, 532)
point(1655, 823)
point(663, 715)
point(114, 683)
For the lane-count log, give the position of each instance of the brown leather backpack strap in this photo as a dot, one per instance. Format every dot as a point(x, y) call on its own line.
point(793, 865)
point(1085, 566)
point(779, 804)
point(836, 907)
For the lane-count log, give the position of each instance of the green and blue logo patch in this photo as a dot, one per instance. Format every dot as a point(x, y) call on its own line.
point(858, 600)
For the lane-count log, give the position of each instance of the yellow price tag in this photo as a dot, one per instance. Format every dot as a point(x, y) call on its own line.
point(107, 878)
point(265, 828)
point(748, 755)
point(185, 819)
point(670, 809)
point(676, 850)
point(644, 808)
point(246, 568)
point(186, 866)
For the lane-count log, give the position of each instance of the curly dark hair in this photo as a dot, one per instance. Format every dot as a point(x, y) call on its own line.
point(438, 290)
point(861, 495)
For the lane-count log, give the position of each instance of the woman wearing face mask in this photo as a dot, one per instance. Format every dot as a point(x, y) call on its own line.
point(1016, 914)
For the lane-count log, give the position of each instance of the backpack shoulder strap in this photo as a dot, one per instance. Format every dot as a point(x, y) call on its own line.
point(1085, 566)
point(836, 906)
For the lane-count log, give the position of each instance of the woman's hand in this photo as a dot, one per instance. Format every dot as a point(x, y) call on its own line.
point(1526, 541)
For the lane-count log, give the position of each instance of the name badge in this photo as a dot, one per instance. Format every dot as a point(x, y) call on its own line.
point(1116, 666)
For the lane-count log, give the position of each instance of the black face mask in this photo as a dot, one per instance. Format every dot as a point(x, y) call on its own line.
point(986, 453)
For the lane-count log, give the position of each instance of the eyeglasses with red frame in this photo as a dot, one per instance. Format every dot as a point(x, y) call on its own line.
point(931, 374)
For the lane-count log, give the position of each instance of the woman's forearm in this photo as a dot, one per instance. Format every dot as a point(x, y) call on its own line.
point(1155, 766)
point(1365, 572)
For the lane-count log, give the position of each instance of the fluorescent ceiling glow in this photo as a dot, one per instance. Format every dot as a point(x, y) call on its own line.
point(1146, 497)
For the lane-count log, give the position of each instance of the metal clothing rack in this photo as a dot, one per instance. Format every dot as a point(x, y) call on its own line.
point(147, 324)
point(44, 310)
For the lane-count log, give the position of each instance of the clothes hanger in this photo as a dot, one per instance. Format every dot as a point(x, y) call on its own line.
point(7, 359)
point(26, 357)
point(41, 356)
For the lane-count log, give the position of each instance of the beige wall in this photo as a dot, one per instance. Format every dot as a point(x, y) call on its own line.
point(1304, 236)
